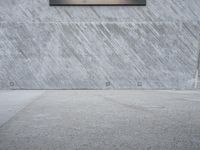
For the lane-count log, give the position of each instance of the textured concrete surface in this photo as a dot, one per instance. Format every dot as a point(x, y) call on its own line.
point(105, 120)
point(11, 102)
point(151, 47)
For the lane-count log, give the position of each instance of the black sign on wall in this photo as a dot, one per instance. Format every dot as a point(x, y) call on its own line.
point(97, 2)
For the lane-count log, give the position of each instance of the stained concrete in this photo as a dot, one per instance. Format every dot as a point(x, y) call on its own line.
point(104, 120)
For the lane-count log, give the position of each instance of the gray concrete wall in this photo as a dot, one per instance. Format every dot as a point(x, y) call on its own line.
point(125, 47)
point(198, 72)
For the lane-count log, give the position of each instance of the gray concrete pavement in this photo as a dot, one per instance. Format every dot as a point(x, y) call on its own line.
point(12, 102)
point(103, 120)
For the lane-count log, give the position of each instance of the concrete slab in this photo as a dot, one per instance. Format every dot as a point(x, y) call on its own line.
point(105, 120)
point(12, 102)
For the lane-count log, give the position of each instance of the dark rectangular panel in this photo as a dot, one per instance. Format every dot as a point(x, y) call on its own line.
point(97, 2)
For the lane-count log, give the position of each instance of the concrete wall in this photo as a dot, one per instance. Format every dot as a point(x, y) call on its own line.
point(198, 72)
point(151, 47)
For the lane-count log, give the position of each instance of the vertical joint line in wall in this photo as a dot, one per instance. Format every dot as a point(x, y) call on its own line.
point(198, 65)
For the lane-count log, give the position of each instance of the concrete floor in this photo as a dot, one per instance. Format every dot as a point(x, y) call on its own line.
point(100, 120)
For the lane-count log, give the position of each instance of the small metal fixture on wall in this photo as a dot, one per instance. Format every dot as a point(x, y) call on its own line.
point(97, 2)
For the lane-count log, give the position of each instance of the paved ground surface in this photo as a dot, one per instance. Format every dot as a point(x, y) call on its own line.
point(12, 102)
point(100, 120)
